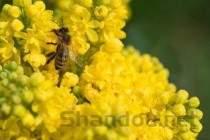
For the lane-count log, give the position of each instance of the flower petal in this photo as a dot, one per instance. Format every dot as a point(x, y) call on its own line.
point(92, 35)
point(94, 24)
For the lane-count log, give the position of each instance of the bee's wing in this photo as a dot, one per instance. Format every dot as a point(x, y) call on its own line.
point(73, 54)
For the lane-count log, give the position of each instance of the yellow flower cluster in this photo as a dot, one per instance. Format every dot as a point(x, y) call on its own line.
point(96, 23)
point(118, 94)
point(26, 26)
point(30, 105)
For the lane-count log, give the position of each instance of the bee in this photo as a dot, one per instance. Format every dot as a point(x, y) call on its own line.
point(64, 50)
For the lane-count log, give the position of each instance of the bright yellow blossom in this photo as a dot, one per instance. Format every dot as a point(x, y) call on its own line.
point(82, 25)
point(35, 60)
point(69, 80)
point(8, 51)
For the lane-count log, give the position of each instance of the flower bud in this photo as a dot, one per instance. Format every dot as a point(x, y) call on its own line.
point(164, 98)
point(14, 11)
point(195, 113)
point(37, 79)
point(183, 126)
point(69, 80)
point(35, 107)
point(28, 120)
point(194, 102)
point(19, 70)
point(179, 110)
point(12, 87)
point(16, 99)
point(197, 129)
point(13, 76)
point(28, 96)
point(113, 45)
point(101, 11)
point(5, 82)
point(5, 8)
point(181, 96)
point(12, 66)
point(90, 93)
point(22, 3)
point(6, 109)
point(22, 80)
point(81, 100)
point(31, 10)
point(3, 75)
point(76, 90)
point(196, 126)
point(199, 114)
point(40, 6)
point(19, 110)
point(194, 122)
point(17, 25)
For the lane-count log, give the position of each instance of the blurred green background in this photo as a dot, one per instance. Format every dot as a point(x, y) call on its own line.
point(178, 33)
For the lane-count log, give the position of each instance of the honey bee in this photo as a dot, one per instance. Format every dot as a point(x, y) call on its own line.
point(64, 50)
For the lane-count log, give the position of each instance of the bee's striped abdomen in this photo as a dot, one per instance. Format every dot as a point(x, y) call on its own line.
point(61, 58)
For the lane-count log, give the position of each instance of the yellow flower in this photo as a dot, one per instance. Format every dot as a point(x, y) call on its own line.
point(28, 120)
point(111, 28)
point(101, 11)
point(57, 101)
point(82, 23)
point(32, 45)
point(113, 45)
point(35, 60)
point(8, 51)
point(17, 25)
point(69, 80)
point(94, 22)
point(9, 22)
point(12, 11)
point(81, 45)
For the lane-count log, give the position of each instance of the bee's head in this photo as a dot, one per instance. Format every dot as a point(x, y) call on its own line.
point(64, 30)
point(62, 34)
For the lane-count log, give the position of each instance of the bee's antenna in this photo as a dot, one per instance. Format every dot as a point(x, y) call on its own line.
point(61, 22)
point(57, 23)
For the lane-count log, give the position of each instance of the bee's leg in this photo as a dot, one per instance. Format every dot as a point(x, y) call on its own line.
point(55, 31)
point(51, 57)
point(52, 43)
point(50, 54)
